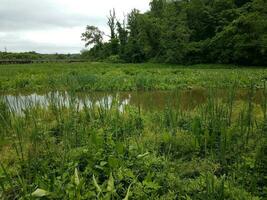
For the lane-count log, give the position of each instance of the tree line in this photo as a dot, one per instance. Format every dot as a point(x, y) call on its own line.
point(32, 55)
point(185, 32)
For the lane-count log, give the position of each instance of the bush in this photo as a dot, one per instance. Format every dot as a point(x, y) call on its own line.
point(114, 59)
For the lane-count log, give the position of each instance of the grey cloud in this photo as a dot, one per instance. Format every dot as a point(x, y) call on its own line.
point(39, 15)
point(14, 43)
point(27, 16)
point(28, 25)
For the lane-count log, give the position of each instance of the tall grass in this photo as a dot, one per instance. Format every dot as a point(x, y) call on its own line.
point(73, 150)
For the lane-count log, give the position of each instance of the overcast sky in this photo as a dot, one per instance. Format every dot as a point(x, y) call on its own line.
point(50, 26)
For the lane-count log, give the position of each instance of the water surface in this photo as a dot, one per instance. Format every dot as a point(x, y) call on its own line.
point(147, 100)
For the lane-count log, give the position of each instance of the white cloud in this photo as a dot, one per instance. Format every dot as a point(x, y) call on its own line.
point(50, 26)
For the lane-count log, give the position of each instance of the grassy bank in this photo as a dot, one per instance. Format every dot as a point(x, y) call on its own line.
point(123, 77)
point(215, 151)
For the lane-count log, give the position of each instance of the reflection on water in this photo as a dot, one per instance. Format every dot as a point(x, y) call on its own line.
point(18, 103)
point(185, 99)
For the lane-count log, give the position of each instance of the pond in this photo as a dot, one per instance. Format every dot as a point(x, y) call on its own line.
point(146, 100)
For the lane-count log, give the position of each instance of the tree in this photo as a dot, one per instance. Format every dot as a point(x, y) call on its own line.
point(200, 20)
point(123, 37)
point(244, 41)
point(157, 7)
point(175, 34)
point(134, 50)
point(114, 43)
point(188, 31)
point(240, 3)
point(112, 23)
point(92, 36)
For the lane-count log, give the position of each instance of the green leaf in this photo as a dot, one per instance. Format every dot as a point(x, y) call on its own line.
point(128, 193)
point(151, 185)
point(113, 162)
point(40, 193)
point(143, 155)
point(76, 177)
point(111, 187)
point(103, 163)
point(98, 188)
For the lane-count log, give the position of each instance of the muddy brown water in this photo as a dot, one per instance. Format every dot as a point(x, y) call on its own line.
point(147, 100)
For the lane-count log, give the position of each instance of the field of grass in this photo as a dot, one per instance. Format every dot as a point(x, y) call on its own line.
point(215, 150)
point(124, 77)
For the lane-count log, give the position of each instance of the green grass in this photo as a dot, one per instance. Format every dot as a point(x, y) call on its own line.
point(124, 77)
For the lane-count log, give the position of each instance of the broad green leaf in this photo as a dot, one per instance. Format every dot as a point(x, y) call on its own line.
point(40, 193)
point(111, 187)
point(143, 155)
point(103, 163)
point(76, 177)
point(98, 188)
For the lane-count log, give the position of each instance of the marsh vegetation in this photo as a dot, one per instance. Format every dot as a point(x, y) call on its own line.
point(105, 77)
point(194, 143)
point(108, 128)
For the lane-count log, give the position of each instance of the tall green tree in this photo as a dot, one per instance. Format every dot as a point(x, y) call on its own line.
point(114, 42)
point(123, 38)
point(134, 51)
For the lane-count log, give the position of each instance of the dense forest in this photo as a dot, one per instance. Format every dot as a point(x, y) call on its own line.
point(185, 32)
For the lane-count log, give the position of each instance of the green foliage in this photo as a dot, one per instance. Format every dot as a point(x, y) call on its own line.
point(197, 31)
point(114, 59)
point(92, 35)
point(123, 77)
